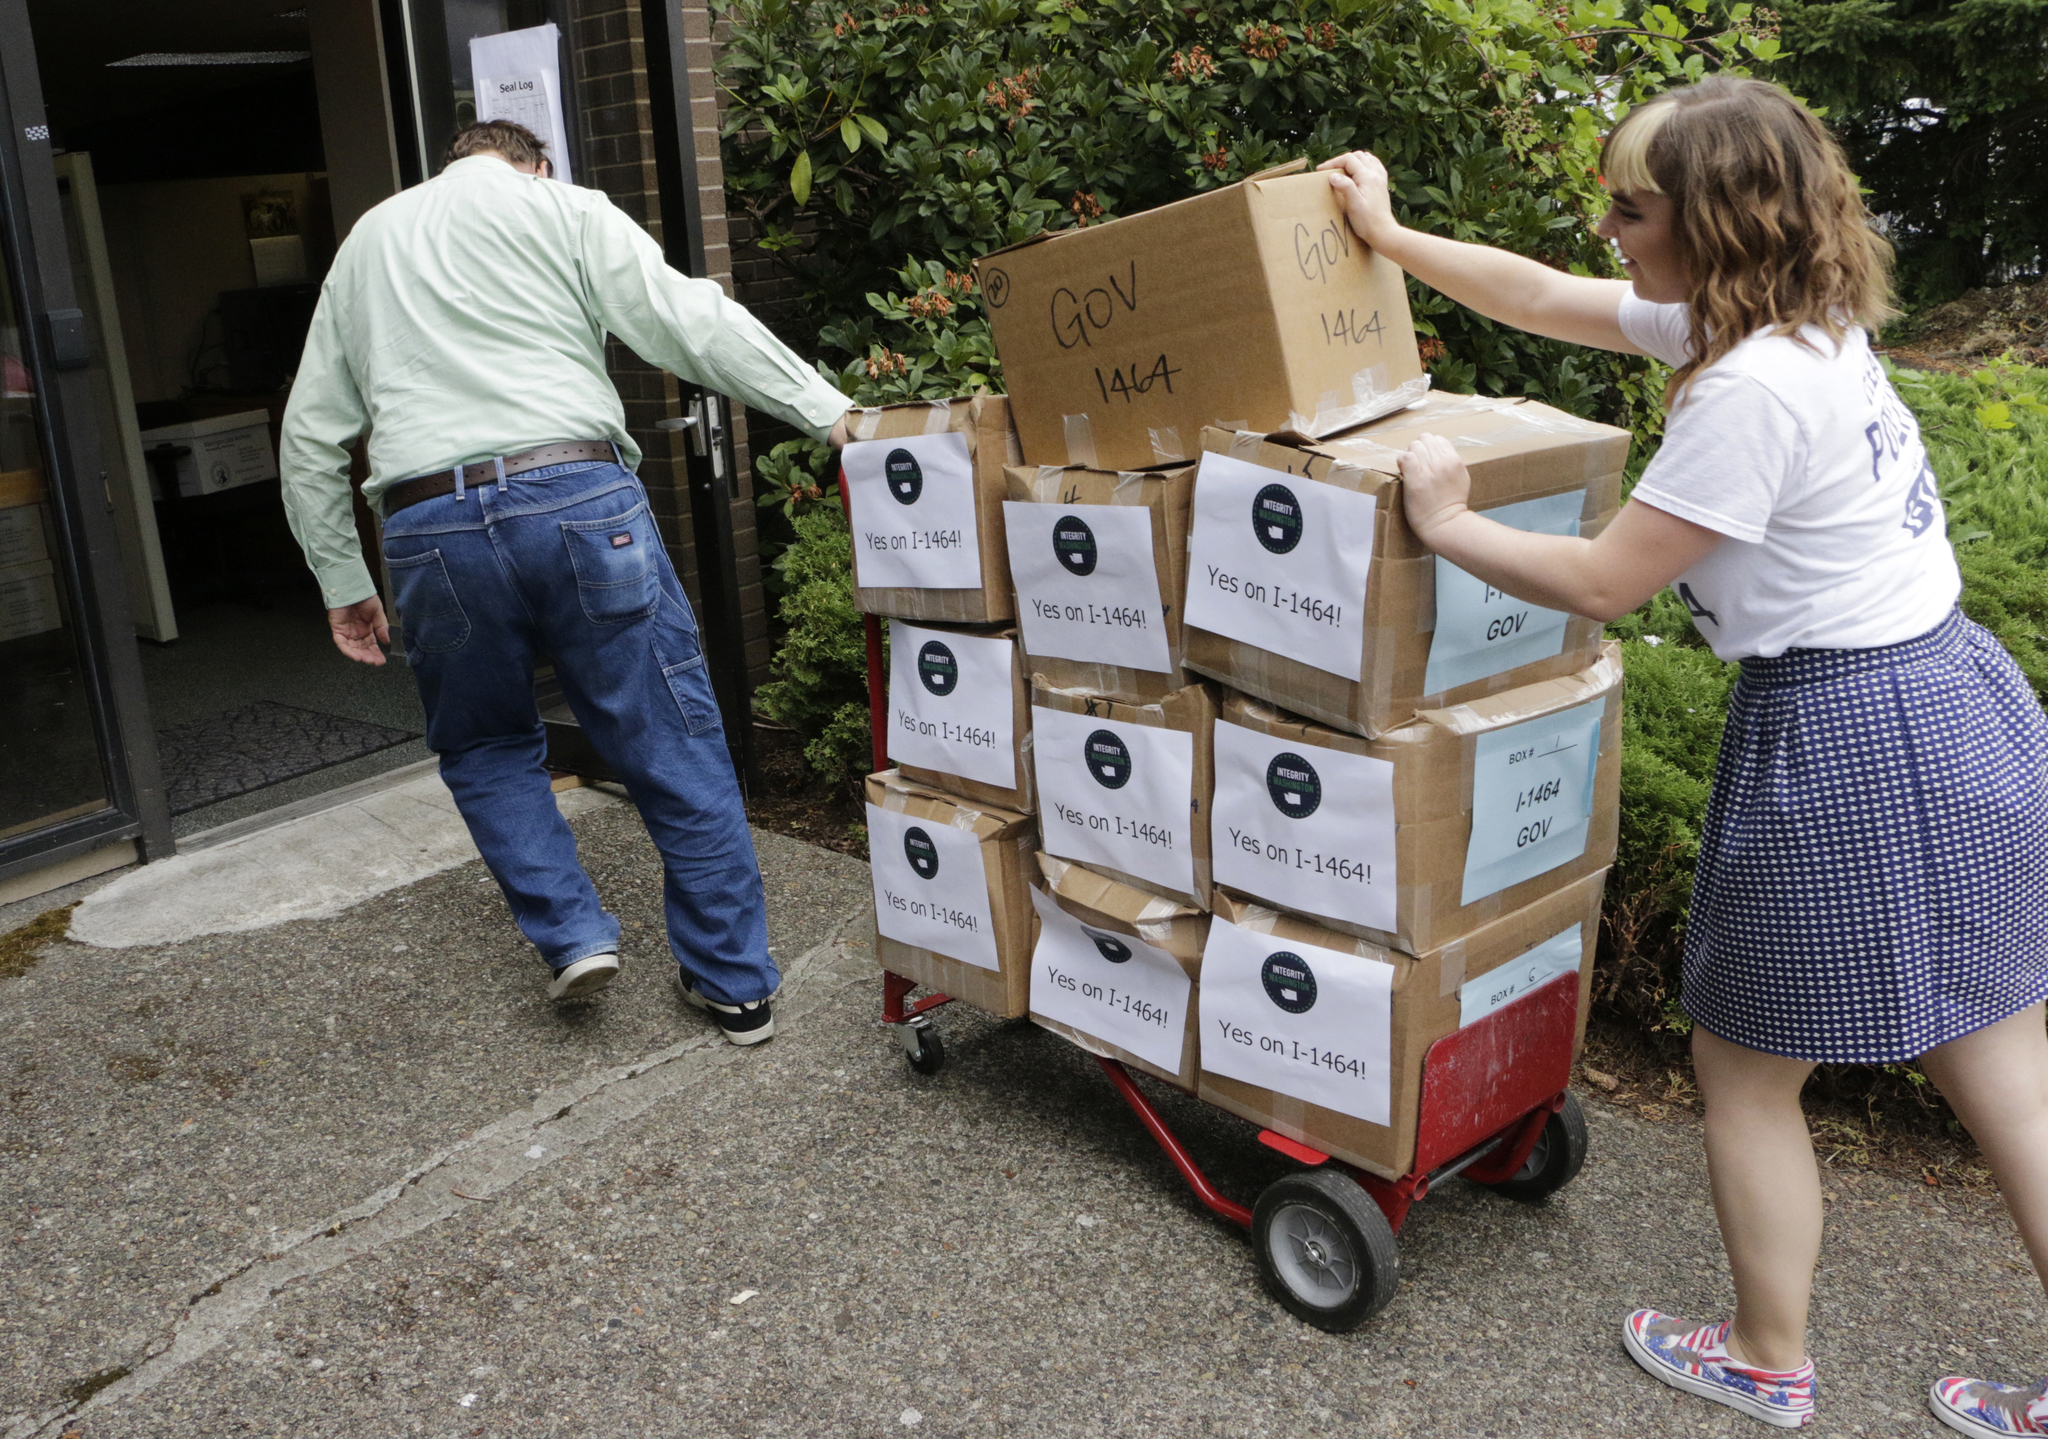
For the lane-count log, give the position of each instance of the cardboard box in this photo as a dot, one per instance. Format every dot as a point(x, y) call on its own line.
point(960, 713)
point(1100, 562)
point(1331, 608)
point(226, 451)
point(924, 497)
point(952, 893)
point(1250, 307)
point(1373, 1050)
point(1124, 789)
point(1115, 970)
point(1433, 830)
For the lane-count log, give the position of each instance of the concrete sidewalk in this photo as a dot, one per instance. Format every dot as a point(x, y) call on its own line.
point(353, 1176)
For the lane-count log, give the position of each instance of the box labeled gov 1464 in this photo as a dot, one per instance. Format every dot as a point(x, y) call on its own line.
point(924, 489)
point(1432, 830)
point(1251, 307)
point(1307, 588)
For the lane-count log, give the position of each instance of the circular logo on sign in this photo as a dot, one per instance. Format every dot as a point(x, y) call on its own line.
point(937, 670)
point(995, 285)
point(921, 852)
point(1108, 945)
point(221, 477)
point(1073, 544)
point(1294, 784)
point(905, 476)
point(1276, 519)
point(1108, 760)
point(1289, 982)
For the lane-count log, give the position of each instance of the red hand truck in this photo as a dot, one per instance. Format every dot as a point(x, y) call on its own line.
point(1496, 1108)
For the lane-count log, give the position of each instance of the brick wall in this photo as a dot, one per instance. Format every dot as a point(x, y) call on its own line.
point(610, 57)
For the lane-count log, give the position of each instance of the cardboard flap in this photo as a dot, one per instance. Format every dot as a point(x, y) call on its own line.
point(1545, 696)
point(889, 790)
point(1287, 167)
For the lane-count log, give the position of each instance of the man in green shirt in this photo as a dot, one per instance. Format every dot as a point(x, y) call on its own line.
point(463, 327)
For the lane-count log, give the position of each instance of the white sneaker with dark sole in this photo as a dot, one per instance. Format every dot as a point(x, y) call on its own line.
point(748, 1023)
point(586, 976)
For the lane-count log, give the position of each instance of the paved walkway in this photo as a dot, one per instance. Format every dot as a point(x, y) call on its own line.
point(352, 1176)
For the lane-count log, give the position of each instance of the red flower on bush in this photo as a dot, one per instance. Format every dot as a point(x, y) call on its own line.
point(1194, 65)
point(1264, 42)
point(1323, 35)
point(1216, 161)
point(1085, 207)
point(1429, 351)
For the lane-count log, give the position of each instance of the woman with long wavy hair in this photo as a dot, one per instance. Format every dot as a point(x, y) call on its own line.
point(1872, 884)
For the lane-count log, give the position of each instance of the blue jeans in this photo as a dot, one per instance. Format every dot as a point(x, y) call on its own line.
point(565, 564)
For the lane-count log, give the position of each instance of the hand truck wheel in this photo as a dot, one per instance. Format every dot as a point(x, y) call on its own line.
point(929, 1057)
point(1325, 1250)
point(1559, 1154)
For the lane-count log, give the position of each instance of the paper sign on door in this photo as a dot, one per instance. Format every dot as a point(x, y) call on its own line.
point(931, 890)
point(1560, 954)
point(952, 703)
point(1300, 1020)
point(1532, 798)
point(1281, 562)
point(1311, 829)
point(1108, 985)
point(913, 512)
point(1479, 630)
point(1087, 586)
point(1118, 795)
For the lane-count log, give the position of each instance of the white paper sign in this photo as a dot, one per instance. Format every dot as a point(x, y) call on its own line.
point(1298, 1019)
point(1479, 630)
point(1279, 561)
point(518, 77)
point(1532, 798)
point(1119, 795)
point(1108, 985)
point(1310, 829)
point(931, 890)
point(913, 512)
point(1087, 588)
point(952, 703)
point(1560, 954)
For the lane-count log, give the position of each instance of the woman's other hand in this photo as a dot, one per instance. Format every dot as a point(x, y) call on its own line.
point(1360, 181)
point(1435, 485)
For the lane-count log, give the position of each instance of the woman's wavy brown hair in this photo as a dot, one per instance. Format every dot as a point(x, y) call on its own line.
point(1765, 212)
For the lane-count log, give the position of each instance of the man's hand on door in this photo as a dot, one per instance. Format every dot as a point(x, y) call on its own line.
point(360, 630)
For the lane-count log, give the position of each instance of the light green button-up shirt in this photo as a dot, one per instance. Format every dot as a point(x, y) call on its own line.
point(466, 318)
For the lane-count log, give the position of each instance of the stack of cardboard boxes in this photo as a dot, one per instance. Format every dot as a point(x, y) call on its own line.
point(1308, 798)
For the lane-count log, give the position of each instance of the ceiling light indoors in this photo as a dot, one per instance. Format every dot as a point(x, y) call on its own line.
point(212, 57)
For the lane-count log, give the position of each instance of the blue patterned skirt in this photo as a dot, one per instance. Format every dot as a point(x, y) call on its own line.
point(1873, 879)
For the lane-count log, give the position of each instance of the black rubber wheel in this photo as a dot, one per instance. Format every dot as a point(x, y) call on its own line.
point(1325, 1250)
point(930, 1055)
point(1559, 1155)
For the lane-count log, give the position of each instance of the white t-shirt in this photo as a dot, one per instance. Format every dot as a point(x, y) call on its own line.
point(1812, 466)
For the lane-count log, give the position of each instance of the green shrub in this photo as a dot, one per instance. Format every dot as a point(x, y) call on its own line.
point(939, 130)
point(820, 686)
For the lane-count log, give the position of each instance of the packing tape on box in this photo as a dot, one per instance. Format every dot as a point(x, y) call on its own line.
point(1045, 485)
point(1166, 446)
point(864, 428)
point(1559, 694)
point(1245, 445)
point(965, 818)
point(1371, 397)
point(940, 418)
point(1130, 487)
point(1080, 441)
point(1451, 969)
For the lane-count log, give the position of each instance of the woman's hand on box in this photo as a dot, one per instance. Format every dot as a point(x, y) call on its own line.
point(1434, 485)
point(1360, 181)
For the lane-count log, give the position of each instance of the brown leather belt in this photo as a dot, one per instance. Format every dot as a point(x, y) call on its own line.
point(485, 472)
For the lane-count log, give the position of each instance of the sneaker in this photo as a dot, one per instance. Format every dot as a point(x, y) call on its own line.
point(748, 1023)
point(586, 976)
point(1694, 1357)
point(1977, 1406)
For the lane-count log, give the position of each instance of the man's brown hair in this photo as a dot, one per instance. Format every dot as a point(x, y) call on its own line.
point(498, 137)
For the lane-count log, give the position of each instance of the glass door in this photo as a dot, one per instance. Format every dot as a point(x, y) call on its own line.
point(77, 759)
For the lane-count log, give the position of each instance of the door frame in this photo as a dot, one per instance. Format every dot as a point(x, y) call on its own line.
point(76, 482)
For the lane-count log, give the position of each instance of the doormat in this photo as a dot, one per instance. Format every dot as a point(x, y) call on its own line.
point(206, 761)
